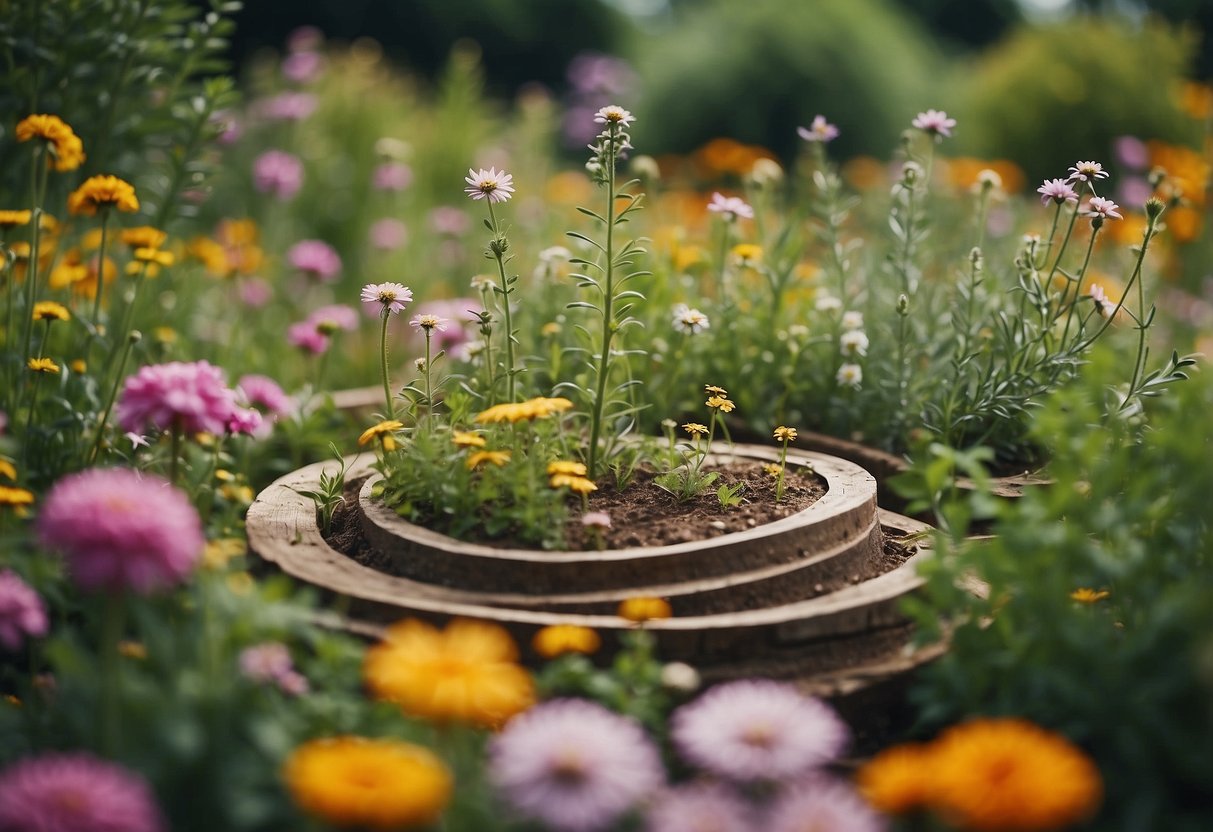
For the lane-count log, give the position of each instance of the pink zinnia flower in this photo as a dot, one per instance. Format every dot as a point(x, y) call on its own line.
point(287, 106)
point(935, 122)
point(730, 208)
point(1087, 172)
point(392, 176)
point(446, 219)
point(121, 530)
point(75, 793)
point(306, 337)
point(263, 393)
point(255, 292)
point(189, 397)
point(573, 765)
point(278, 173)
point(819, 130)
point(317, 258)
point(1057, 190)
point(302, 67)
point(246, 421)
point(1099, 208)
point(821, 803)
point(388, 234)
point(757, 730)
point(390, 298)
point(22, 612)
point(702, 807)
point(330, 319)
point(496, 187)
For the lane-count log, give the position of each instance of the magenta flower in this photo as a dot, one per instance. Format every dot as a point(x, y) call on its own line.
point(388, 234)
point(757, 730)
point(121, 530)
point(392, 176)
point(614, 114)
point(22, 612)
point(820, 803)
point(935, 123)
point(335, 317)
point(317, 258)
point(278, 173)
point(75, 792)
point(819, 130)
point(306, 337)
point(302, 67)
point(496, 187)
point(189, 397)
point(1087, 172)
point(390, 297)
point(245, 421)
point(1099, 208)
point(573, 765)
point(701, 807)
point(1057, 190)
point(269, 663)
point(263, 393)
point(287, 106)
point(255, 292)
point(230, 127)
point(730, 208)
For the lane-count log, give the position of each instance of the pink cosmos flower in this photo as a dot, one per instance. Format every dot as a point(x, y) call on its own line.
point(316, 258)
point(388, 234)
point(230, 127)
point(390, 298)
point(75, 792)
point(302, 67)
point(456, 314)
point(821, 803)
point(819, 130)
point(392, 176)
point(1131, 152)
point(1087, 172)
point(263, 393)
point(335, 317)
point(121, 530)
point(287, 106)
point(278, 173)
point(269, 663)
point(1057, 190)
point(1102, 302)
point(306, 337)
point(190, 397)
point(573, 765)
point(730, 208)
point(446, 219)
point(496, 187)
point(757, 730)
point(702, 807)
point(935, 123)
point(255, 292)
point(22, 612)
point(1099, 208)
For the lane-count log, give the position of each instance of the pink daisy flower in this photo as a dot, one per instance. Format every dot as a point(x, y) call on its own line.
point(388, 234)
point(757, 730)
point(596, 520)
point(245, 421)
point(429, 323)
point(446, 219)
point(388, 298)
point(75, 793)
point(278, 173)
point(121, 530)
point(819, 130)
point(330, 319)
point(496, 187)
point(22, 612)
point(190, 397)
point(730, 208)
point(701, 807)
point(1099, 208)
point(263, 393)
point(573, 765)
point(935, 123)
point(1087, 172)
point(1102, 302)
point(392, 176)
point(614, 114)
point(1057, 190)
point(821, 803)
point(307, 337)
point(316, 258)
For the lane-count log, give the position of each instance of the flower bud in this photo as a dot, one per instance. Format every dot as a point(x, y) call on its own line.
point(1154, 208)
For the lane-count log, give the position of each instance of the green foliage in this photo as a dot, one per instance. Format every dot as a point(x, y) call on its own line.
point(1127, 676)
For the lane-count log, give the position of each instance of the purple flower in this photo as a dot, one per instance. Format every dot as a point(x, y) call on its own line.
point(335, 317)
point(1087, 172)
point(121, 530)
point(701, 807)
point(305, 39)
point(819, 131)
point(388, 234)
point(287, 106)
point(22, 612)
point(302, 67)
point(820, 803)
point(255, 292)
point(1131, 152)
point(306, 337)
point(573, 765)
point(757, 730)
point(591, 73)
point(75, 793)
point(1099, 208)
point(263, 393)
point(317, 258)
point(496, 187)
point(269, 663)
point(730, 208)
point(446, 219)
point(390, 297)
point(392, 176)
point(1057, 190)
point(1134, 190)
point(230, 128)
point(190, 397)
point(278, 173)
point(935, 122)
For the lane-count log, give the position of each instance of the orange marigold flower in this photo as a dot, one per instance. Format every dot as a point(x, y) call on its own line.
point(210, 254)
point(468, 672)
point(7, 469)
point(102, 192)
point(897, 780)
point(67, 151)
point(383, 432)
point(143, 236)
point(376, 784)
point(644, 609)
point(1086, 595)
point(1009, 775)
point(16, 497)
point(48, 310)
point(558, 639)
point(466, 439)
point(479, 458)
point(11, 219)
point(537, 408)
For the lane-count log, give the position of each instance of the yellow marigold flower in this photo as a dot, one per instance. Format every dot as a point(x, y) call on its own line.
point(165, 335)
point(12, 219)
point(154, 255)
point(383, 432)
point(7, 469)
point(999, 775)
point(43, 365)
point(1086, 595)
point(773, 468)
point(785, 434)
point(17, 497)
point(79, 366)
point(537, 408)
point(466, 439)
point(695, 429)
point(68, 271)
point(210, 254)
point(67, 151)
point(897, 780)
point(132, 650)
point(48, 310)
point(468, 672)
point(721, 403)
point(241, 494)
point(578, 485)
point(644, 609)
point(479, 458)
point(561, 466)
point(558, 639)
point(747, 254)
point(102, 192)
point(371, 784)
point(713, 390)
point(143, 236)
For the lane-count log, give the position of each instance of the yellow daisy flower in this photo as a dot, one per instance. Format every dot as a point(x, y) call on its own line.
point(48, 310)
point(466, 439)
point(560, 466)
point(102, 192)
point(784, 434)
point(43, 365)
point(644, 609)
point(479, 458)
point(558, 639)
point(721, 403)
point(12, 219)
point(67, 151)
point(383, 432)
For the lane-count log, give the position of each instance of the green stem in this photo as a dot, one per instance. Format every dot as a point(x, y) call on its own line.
point(109, 404)
point(429, 401)
point(38, 185)
point(1052, 233)
point(488, 346)
point(387, 389)
point(111, 670)
point(128, 314)
point(1065, 241)
point(506, 291)
point(174, 452)
point(105, 218)
point(1077, 286)
point(608, 329)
